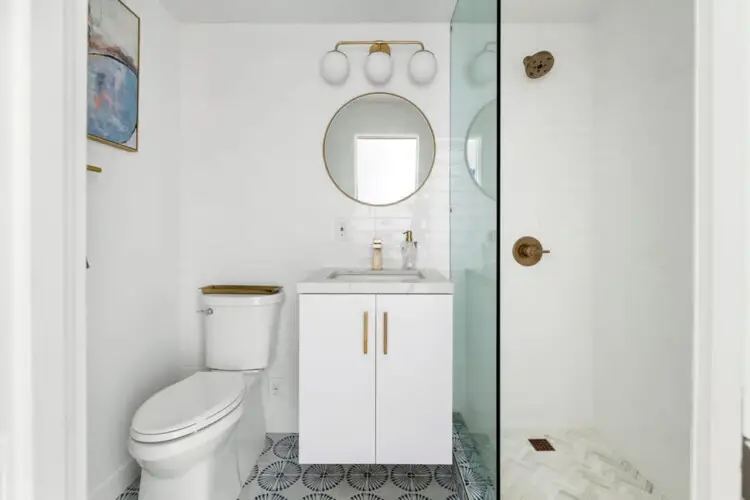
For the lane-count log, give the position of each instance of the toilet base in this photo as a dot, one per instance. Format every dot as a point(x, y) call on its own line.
point(221, 475)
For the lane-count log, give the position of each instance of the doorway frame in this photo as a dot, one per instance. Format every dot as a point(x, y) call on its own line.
point(722, 35)
point(44, 239)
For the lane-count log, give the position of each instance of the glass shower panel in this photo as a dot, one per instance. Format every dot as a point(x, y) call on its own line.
point(473, 236)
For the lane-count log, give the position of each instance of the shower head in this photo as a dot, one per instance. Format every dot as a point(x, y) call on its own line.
point(539, 64)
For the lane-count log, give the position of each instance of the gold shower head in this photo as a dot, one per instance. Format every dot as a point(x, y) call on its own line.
point(539, 64)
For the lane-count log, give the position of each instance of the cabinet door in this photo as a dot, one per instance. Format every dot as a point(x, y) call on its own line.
point(336, 379)
point(414, 404)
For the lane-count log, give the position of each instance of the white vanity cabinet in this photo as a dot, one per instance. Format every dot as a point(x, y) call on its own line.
point(375, 378)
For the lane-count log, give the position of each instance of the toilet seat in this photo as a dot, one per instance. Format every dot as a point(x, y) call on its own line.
point(188, 406)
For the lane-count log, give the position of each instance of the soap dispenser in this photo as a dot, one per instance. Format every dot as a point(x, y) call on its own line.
point(409, 251)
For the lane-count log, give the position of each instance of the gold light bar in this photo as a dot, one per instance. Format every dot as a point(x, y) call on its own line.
point(380, 45)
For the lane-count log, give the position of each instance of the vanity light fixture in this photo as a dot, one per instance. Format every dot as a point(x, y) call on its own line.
point(334, 67)
point(422, 67)
point(379, 68)
point(483, 69)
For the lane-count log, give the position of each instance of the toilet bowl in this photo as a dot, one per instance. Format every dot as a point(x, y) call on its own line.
point(199, 438)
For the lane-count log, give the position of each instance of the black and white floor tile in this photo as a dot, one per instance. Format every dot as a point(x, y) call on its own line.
point(130, 493)
point(470, 474)
point(279, 476)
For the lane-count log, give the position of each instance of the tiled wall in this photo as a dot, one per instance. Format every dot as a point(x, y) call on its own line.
point(257, 205)
point(643, 309)
point(546, 185)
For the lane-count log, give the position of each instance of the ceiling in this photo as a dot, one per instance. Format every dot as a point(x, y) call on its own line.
point(548, 11)
point(312, 11)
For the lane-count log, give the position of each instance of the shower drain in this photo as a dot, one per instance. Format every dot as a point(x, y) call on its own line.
point(541, 445)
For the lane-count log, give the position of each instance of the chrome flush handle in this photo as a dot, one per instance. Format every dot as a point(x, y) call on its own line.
point(207, 312)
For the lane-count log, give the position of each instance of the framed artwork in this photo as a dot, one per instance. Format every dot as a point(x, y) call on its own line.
point(114, 55)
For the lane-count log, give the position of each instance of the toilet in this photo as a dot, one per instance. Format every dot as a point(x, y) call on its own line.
point(199, 438)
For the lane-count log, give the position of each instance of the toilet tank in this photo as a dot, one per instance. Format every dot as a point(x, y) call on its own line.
point(241, 329)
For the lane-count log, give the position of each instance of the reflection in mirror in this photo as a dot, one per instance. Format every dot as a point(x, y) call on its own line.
point(481, 149)
point(386, 168)
point(379, 149)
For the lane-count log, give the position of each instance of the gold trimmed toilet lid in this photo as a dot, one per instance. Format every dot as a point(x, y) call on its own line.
point(241, 290)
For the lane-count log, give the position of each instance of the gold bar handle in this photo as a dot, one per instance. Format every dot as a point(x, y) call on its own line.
point(385, 333)
point(366, 325)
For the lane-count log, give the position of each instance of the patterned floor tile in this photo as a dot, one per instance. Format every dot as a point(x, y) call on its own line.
point(279, 476)
point(473, 480)
point(346, 482)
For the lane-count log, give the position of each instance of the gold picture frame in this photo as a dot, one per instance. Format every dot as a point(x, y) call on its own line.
point(112, 38)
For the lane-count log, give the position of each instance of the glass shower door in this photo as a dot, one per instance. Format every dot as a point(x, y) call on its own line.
point(473, 235)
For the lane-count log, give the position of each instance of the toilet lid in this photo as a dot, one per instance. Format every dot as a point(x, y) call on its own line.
point(187, 406)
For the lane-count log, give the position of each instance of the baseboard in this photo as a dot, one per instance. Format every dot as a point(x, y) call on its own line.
point(115, 484)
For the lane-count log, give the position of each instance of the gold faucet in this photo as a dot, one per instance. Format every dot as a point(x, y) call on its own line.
point(377, 255)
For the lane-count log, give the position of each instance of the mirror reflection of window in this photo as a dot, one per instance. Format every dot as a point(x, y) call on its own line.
point(474, 156)
point(386, 168)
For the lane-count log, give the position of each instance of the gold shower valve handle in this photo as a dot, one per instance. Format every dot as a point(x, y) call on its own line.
point(528, 251)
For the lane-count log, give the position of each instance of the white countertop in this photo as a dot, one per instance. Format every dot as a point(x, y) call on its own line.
point(433, 283)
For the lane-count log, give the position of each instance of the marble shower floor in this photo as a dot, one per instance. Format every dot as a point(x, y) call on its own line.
point(582, 467)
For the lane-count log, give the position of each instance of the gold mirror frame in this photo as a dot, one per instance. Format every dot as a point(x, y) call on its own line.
point(434, 149)
point(466, 151)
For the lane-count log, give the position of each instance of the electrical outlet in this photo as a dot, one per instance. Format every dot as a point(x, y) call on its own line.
point(341, 230)
point(275, 386)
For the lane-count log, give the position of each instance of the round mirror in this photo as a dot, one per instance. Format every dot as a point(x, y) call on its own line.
point(379, 149)
point(481, 149)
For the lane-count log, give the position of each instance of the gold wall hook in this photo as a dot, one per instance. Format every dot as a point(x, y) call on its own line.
point(528, 251)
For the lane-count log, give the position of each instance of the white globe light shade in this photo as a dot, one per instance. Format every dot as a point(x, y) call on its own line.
point(379, 67)
point(422, 67)
point(334, 67)
point(483, 69)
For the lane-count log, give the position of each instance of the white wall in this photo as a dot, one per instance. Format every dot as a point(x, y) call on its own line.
point(133, 342)
point(546, 187)
point(643, 216)
point(14, 156)
point(722, 233)
point(256, 203)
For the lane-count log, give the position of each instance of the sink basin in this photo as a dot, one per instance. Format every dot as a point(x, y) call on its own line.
point(369, 276)
point(362, 280)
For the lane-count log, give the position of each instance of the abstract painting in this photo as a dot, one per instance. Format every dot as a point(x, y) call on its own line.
point(113, 74)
